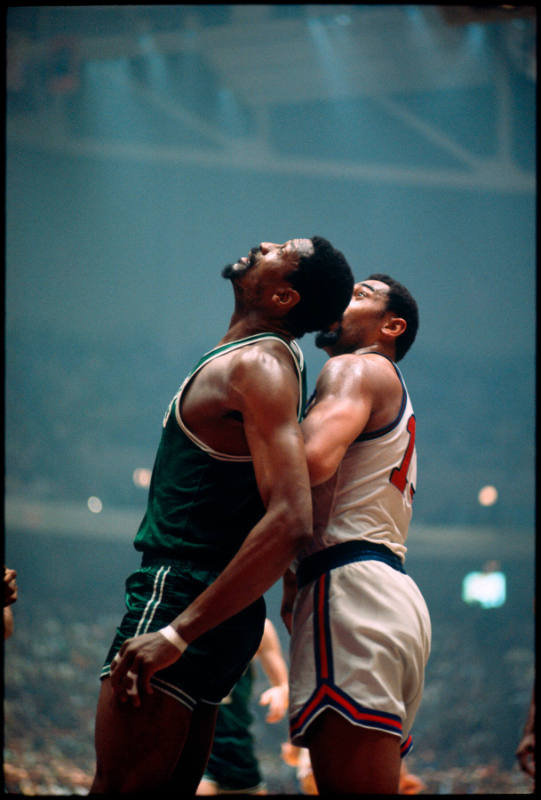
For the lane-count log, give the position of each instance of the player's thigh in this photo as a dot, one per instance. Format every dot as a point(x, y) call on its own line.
point(137, 748)
point(195, 753)
point(350, 759)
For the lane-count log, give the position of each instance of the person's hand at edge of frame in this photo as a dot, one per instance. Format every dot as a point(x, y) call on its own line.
point(10, 586)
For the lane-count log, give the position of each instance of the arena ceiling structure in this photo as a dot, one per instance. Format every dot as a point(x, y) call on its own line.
point(247, 86)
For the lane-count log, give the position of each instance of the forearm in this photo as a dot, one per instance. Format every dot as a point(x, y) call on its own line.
point(275, 670)
point(271, 657)
point(261, 560)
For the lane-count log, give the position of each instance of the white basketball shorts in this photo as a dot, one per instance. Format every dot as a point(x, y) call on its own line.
point(360, 643)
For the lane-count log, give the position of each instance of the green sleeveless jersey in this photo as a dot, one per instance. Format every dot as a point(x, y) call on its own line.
point(202, 504)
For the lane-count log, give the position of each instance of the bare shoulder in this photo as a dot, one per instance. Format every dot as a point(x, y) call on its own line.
point(263, 373)
point(352, 372)
point(266, 358)
point(379, 369)
point(337, 366)
point(340, 370)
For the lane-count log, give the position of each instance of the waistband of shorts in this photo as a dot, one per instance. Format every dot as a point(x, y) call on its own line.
point(185, 564)
point(337, 555)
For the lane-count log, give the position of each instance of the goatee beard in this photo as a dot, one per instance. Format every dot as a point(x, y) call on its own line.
point(327, 338)
point(229, 272)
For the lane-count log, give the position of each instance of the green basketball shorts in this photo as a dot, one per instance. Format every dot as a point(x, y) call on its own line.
point(208, 669)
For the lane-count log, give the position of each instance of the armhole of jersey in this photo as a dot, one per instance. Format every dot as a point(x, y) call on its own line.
point(298, 359)
point(389, 427)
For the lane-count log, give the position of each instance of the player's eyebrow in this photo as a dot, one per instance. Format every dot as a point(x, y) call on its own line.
point(367, 286)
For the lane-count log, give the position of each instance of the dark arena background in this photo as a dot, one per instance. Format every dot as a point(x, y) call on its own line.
point(146, 147)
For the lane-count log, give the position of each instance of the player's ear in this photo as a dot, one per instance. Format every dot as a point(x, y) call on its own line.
point(394, 326)
point(286, 297)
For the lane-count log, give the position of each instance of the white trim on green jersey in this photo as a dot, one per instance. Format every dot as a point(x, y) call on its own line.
point(298, 359)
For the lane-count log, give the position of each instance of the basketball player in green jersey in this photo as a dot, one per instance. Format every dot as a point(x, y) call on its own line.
point(229, 508)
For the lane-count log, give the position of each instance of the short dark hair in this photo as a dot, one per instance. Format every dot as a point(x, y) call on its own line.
point(400, 302)
point(324, 281)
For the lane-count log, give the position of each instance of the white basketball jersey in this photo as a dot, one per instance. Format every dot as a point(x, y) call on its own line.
point(370, 496)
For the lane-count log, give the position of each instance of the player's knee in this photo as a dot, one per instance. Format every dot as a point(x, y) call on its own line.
point(118, 772)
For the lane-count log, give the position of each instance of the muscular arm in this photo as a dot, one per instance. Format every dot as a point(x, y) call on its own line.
point(266, 393)
point(264, 388)
point(343, 407)
point(345, 399)
point(354, 394)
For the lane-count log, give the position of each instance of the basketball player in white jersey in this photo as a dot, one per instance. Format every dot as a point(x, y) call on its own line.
point(360, 627)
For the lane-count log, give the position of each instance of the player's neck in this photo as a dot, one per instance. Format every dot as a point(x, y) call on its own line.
point(375, 348)
point(242, 326)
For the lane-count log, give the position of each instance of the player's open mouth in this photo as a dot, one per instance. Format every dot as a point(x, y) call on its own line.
point(241, 266)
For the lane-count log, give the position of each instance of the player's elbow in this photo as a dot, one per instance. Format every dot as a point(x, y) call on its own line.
point(318, 475)
point(302, 535)
point(320, 469)
point(295, 527)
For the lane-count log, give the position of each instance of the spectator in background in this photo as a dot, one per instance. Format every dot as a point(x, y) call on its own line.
point(408, 782)
point(526, 749)
point(10, 596)
point(299, 757)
